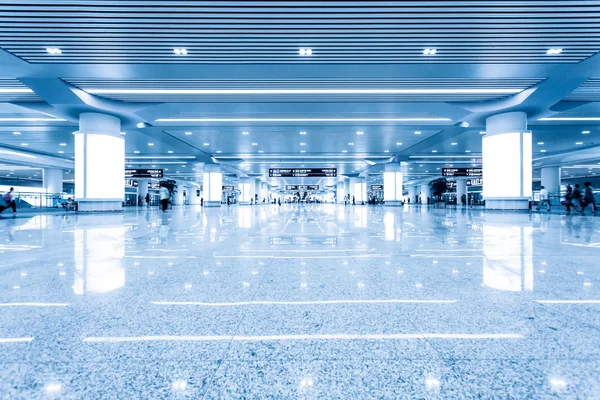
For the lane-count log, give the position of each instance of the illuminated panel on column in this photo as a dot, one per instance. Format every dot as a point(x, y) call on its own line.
point(527, 172)
point(502, 165)
point(105, 167)
point(79, 162)
point(389, 185)
point(216, 186)
point(399, 177)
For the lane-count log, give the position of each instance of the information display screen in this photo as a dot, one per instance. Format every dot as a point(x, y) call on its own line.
point(303, 172)
point(301, 187)
point(376, 187)
point(230, 188)
point(461, 172)
point(143, 173)
point(131, 183)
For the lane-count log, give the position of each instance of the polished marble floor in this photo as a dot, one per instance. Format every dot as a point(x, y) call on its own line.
point(320, 301)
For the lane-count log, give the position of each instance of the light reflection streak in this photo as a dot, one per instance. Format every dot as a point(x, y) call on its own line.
point(315, 302)
point(16, 340)
point(34, 304)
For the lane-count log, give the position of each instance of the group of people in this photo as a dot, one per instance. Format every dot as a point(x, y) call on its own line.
point(574, 198)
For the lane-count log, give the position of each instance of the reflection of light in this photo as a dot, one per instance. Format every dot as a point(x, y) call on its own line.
point(568, 301)
point(306, 382)
point(179, 385)
point(34, 304)
point(388, 222)
point(52, 387)
point(432, 383)
point(313, 302)
point(557, 383)
point(16, 340)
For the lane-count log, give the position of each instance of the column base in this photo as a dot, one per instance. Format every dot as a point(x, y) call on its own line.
point(99, 205)
point(393, 203)
point(212, 203)
point(507, 204)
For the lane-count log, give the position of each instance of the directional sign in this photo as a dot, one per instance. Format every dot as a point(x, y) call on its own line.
point(143, 173)
point(302, 172)
point(475, 182)
point(230, 188)
point(461, 172)
point(376, 187)
point(131, 183)
point(301, 187)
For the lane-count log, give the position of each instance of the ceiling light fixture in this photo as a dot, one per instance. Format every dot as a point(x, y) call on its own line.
point(123, 133)
point(180, 51)
point(61, 152)
point(219, 151)
point(430, 52)
point(254, 144)
point(53, 50)
point(62, 144)
point(302, 151)
point(585, 132)
point(554, 51)
point(150, 144)
point(188, 133)
point(467, 151)
point(245, 133)
point(453, 144)
point(350, 143)
point(578, 142)
point(344, 151)
point(542, 151)
point(207, 144)
point(398, 143)
point(305, 52)
point(30, 119)
point(16, 133)
point(136, 152)
point(570, 119)
point(434, 151)
point(303, 133)
point(24, 144)
point(386, 151)
point(482, 133)
point(302, 144)
point(417, 132)
point(541, 143)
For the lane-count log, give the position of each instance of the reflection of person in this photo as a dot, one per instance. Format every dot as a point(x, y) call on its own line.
point(163, 192)
point(9, 200)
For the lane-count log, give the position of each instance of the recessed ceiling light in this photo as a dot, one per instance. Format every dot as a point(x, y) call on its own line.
point(62, 144)
point(141, 125)
point(302, 144)
point(53, 50)
point(453, 143)
point(24, 144)
point(188, 133)
point(207, 144)
point(16, 133)
point(305, 52)
point(150, 144)
point(245, 133)
point(554, 51)
point(350, 143)
point(541, 143)
point(344, 151)
point(578, 142)
point(429, 52)
point(585, 132)
point(417, 132)
point(61, 152)
point(467, 151)
point(219, 151)
point(398, 143)
point(261, 151)
point(170, 151)
point(136, 152)
point(254, 144)
point(482, 133)
point(303, 133)
point(180, 51)
point(386, 151)
point(434, 151)
point(153, 166)
point(123, 133)
point(359, 132)
point(542, 151)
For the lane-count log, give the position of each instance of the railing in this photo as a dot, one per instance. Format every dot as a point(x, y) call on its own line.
point(40, 200)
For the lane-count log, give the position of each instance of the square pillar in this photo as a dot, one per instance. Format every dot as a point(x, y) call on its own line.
point(392, 185)
point(212, 185)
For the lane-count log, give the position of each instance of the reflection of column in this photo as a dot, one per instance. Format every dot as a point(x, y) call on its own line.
point(99, 163)
point(358, 189)
point(98, 258)
point(53, 180)
point(551, 179)
point(508, 255)
point(392, 185)
point(425, 193)
point(142, 189)
point(212, 182)
point(461, 189)
point(507, 162)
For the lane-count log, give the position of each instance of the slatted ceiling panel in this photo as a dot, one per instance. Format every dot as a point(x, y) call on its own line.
point(267, 32)
point(512, 83)
point(589, 91)
point(16, 97)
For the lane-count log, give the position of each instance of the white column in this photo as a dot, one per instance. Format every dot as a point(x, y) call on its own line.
point(551, 179)
point(392, 185)
point(212, 185)
point(425, 193)
point(99, 163)
point(507, 162)
point(358, 190)
point(412, 192)
point(53, 180)
point(193, 198)
point(142, 190)
point(461, 188)
point(246, 191)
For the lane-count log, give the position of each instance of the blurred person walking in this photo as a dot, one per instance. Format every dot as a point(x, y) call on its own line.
point(568, 197)
point(576, 196)
point(588, 198)
point(163, 192)
point(544, 199)
point(9, 200)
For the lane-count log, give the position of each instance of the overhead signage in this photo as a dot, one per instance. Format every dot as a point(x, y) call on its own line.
point(230, 188)
point(143, 173)
point(451, 184)
point(376, 187)
point(152, 185)
point(302, 172)
point(461, 172)
point(131, 183)
point(301, 187)
point(475, 182)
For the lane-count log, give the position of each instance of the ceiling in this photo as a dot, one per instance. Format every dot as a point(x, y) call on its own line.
point(248, 95)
